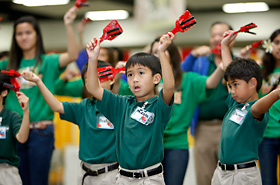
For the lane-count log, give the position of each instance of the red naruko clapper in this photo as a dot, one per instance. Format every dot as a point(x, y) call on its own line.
point(80, 3)
point(111, 31)
point(184, 22)
point(108, 73)
point(14, 83)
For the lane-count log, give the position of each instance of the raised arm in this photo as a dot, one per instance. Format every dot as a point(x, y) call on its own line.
point(214, 79)
point(167, 74)
point(72, 47)
point(54, 104)
point(23, 132)
point(92, 82)
point(226, 55)
point(262, 105)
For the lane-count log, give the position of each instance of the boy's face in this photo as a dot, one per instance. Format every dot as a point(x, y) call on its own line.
point(240, 90)
point(141, 81)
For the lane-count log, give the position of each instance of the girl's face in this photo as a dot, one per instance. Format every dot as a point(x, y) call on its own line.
point(26, 36)
point(276, 48)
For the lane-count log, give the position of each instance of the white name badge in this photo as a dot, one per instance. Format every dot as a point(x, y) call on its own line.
point(104, 123)
point(143, 116)
point(3, 132)
point(238, 116)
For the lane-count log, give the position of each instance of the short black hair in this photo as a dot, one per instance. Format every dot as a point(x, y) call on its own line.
point(100, 63)
point(144, 59)
point(220, 22)
point(4, 79)
point(244, 69)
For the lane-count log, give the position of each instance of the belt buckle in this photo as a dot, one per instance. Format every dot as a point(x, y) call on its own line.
point(137, 175)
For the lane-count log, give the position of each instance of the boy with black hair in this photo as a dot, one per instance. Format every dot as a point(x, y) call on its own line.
point(13, 129)
point(97, 141)
point(244, 123)
point(141, 119)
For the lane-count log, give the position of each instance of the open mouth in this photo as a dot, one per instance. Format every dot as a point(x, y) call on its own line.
point(136, 88)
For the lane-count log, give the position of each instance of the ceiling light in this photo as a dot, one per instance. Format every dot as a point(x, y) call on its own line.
point(245, 7)
point(41, 2)
point(107, 15)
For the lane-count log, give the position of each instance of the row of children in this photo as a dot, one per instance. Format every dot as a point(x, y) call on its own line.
point(127, 138)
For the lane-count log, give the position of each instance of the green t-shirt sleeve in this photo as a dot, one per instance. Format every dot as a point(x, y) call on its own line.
point(72, 88)
point(3, 64)
point(16, 123)
point(51, 64)
point(111, 106)
point(70, 112)
point(197, 84)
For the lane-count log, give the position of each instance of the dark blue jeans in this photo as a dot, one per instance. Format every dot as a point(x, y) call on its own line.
point(175, 164)
point(269, 150)
point(36, 155)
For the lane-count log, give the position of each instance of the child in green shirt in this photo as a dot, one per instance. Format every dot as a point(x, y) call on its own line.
point(13, 129)
point(244, 123)
point(141, 119)
point(97, 141)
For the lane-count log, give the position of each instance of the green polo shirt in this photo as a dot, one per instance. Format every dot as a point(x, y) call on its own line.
point(49, 71)
point(192, 93)
point(217, 102)
point(97, 145)
point(273, 126)
point(11, 122)
point(239, 143)
point(138, 145)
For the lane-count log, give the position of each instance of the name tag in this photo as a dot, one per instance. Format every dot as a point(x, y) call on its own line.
point(104, 123)
point(3, 132)
point(178, 97)
point(238, 116)
point(143, 116)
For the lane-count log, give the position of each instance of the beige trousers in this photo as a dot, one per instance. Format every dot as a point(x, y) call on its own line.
point(9, 175)
point(246, 176)
point(107, 178)
point(151, 180)
point(206, 149)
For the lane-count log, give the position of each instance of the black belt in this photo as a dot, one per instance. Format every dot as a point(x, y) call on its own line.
point(231, 167)
point(141, 174)
point(90, 172)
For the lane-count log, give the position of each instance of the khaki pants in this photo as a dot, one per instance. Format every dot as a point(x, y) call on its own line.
point(9, 175)
point(147, 180)
point(246, 176)
point(206, 149)
point(106, 178)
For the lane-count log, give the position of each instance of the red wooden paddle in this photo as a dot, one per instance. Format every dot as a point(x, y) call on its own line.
point(184, 22)
point(108, 73)
point(245, 29)
point(256, 44)
point(81, 3)
point(14, 83)
point(111, 31)
point(217, 50)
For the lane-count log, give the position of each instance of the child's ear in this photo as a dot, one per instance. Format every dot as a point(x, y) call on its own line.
point(157, 78)
point(253, 83)
point(4, 93)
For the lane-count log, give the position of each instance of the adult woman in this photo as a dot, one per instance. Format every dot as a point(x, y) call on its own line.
point(269, 149)
point(27, 53)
